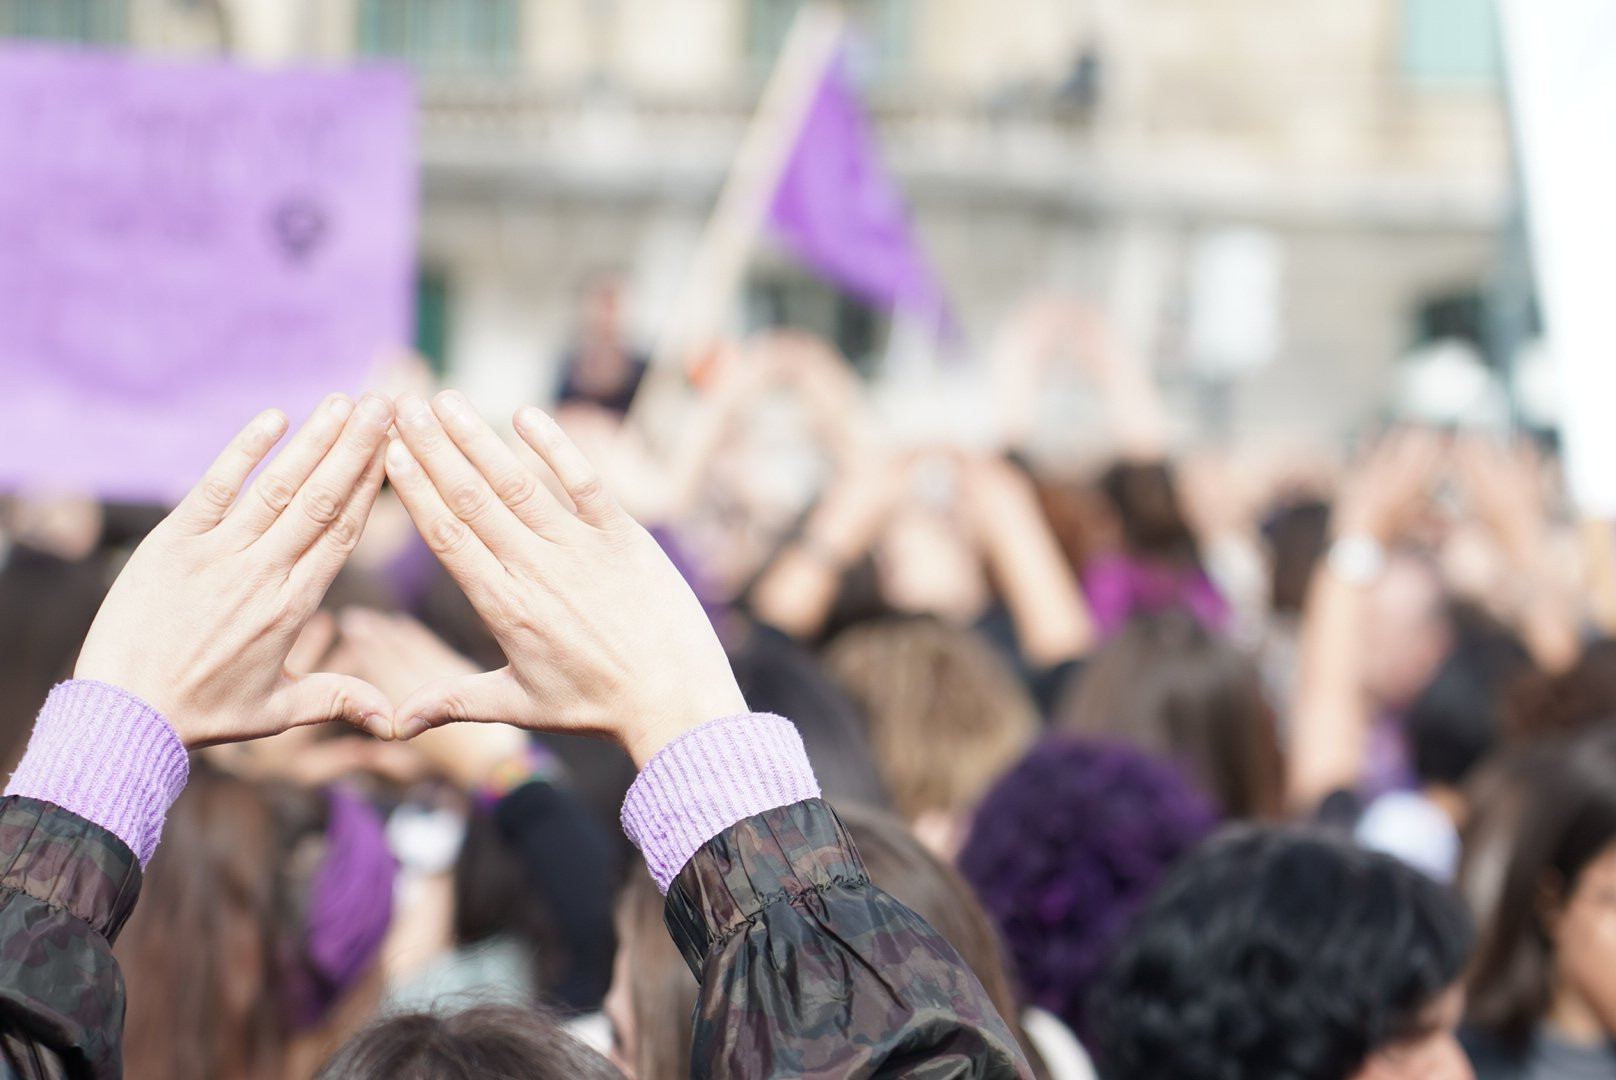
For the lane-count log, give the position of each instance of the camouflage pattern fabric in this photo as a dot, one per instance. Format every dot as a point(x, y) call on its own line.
point(809, 970)
point(66, 888)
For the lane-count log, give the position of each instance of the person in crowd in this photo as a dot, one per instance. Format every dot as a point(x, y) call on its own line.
point(1171, 686)
point(1066, 847)
point(1277, 953)
point(602, 370)
point(190, 649)
point(1452, 726)
point(1379, 620)
point(1159, 566)
point(1551, 704)
point(652, 990)
point(1542, 990)
point(536, 871)
point(257, 948)
point(946, 716)
point(473, 1044)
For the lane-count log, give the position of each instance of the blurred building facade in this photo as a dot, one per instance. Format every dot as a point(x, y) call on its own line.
point(1095, 146)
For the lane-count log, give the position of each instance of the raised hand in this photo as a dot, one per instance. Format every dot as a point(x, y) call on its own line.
point(201, 621)
point(1385, 493)
point(601, 633)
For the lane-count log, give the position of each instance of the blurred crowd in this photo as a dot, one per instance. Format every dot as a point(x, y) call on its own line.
point(1209, 761)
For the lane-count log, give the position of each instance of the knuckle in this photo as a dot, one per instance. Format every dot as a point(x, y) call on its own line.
point(218, 492)
point(467, 500)
point(276, 492)
point(588, 490)
point(323, 505)
point(517, 488)
point(344, 531)
point(448, 536)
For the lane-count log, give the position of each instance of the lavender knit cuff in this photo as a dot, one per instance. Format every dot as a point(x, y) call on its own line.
point(105, 755)
point(709, 779)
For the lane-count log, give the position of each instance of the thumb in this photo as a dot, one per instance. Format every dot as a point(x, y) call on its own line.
point(488, 696)
point(315, 699)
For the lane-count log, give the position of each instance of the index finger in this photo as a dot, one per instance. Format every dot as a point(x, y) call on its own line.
point(210, 500)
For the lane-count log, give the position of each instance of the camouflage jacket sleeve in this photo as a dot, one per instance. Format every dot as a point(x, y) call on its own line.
point(808, 970)
point(66, 887)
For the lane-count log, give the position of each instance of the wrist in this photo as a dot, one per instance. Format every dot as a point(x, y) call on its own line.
point(1356, 558)
point(645, 740)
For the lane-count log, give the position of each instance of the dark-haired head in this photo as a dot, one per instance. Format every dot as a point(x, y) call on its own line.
point(1154, 526)
point(777, 675)
point(488, 1042)
point(1297, 536)
point(1063, 851)
point(1171, 686)
point(1546, 941)
point(1456, 719)
point(1549, 704)
point(1275, 954)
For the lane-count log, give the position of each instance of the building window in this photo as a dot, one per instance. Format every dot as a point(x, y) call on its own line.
point(879, 47)
point(453, 36)
point(432, 311)
point(784, 297)
point(97, 21)
point(1450, 43)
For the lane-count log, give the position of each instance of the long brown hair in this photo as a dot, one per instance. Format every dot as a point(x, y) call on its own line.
point(220, 907)
point(1567, 820)
point(1172, 687)
point(946, 714)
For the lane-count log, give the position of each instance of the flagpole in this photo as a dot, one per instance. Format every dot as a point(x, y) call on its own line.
point(721, 257)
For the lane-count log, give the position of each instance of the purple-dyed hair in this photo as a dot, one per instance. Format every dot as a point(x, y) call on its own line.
point(1066, 847)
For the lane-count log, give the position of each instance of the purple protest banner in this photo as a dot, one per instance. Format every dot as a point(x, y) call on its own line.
point(838, 210)
point(184, 244)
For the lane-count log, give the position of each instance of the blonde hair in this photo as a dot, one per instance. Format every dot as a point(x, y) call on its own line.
point(946, 714)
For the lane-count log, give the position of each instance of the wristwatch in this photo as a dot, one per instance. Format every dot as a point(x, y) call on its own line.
point(1357, 558)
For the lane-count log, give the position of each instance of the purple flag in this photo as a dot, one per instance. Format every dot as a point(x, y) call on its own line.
point(184, 244)
point(839, 211)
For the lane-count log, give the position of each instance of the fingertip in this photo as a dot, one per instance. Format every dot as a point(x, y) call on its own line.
point(409, 727)
point(376, 411)
point(451, 404)
point(412, 409)
point(378, 724)
point(338, 405)
point(270, 425)
point(530, 419)
point(400, 462)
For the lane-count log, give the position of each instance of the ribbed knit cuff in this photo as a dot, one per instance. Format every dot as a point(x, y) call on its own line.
point(107, 756)
point(709, 779)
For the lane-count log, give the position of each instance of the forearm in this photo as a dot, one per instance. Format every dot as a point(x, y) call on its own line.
point(1052, 619)
point(1330, 717)
point(796, 594)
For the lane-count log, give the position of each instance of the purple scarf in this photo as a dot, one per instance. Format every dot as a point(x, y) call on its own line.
point(350, 908)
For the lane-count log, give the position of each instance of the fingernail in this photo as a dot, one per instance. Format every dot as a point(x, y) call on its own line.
point(272, 423)
point(452, 403)
point(339, 406)
point(375, 410)
point(412, 409)
point(529, 417)
point(399, 458)
point(379, 725)
point(409, 729)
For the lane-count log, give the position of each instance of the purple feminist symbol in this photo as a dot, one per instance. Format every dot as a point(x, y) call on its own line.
point(299, 226)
